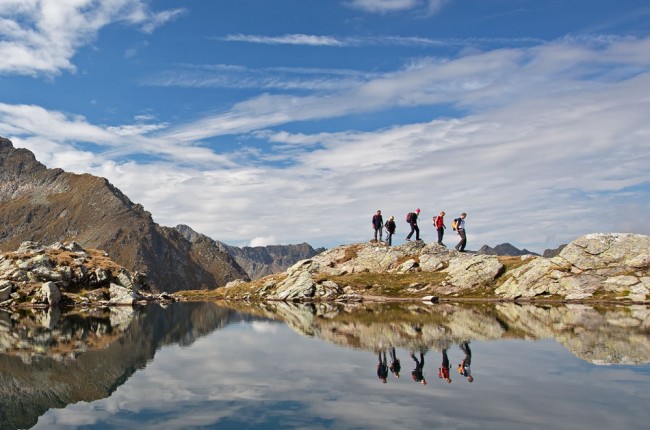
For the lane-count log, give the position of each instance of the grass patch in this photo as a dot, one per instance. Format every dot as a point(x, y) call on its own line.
point(385, 284)
point(512, 263)
point(351, 252)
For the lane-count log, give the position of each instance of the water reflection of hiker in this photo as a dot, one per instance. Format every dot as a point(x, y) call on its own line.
point(382, 366)
point(443, 372)
point(395, 365)
point(418, 372)
point(464, 367)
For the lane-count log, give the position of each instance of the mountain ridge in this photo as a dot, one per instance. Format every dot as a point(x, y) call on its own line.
point(257, 261)
point(51, 205)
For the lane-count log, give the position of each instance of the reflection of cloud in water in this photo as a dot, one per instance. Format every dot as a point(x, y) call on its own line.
point(264, 327)
point(240, 377)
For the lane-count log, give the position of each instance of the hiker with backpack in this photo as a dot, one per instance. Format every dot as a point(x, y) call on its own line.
point(377, 224)
point(459, 226)
point(390, 230)
point(439, 224)
point(412, 219)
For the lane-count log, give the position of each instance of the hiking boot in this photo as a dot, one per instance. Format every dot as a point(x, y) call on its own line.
point(407, 239)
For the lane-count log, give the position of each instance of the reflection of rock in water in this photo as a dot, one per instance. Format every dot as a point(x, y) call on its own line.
point(86, 357)
point(600, 336)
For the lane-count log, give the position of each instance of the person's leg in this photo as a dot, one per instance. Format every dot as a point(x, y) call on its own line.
point(463, 241)
point(411, 233)
point(440, 234)
point(417, 232)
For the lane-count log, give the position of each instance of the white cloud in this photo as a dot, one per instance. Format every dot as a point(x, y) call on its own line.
point(287, 39)
point(42, 36)
point(541, 155)
point(360, 41)
point(263, 241)
point(383, 6)
point(388, 6)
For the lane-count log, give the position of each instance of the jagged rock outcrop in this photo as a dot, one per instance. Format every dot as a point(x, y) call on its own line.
point(257, 261)
point(600, 266)
point(504, 249)
point(607, 264)
point(50, 205)
point(308, 279)
point(66, 274)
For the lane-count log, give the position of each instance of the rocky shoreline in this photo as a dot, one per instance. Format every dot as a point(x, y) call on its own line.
point(593, 268)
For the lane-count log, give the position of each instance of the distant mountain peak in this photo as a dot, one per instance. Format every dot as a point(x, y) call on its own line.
point(505, 249)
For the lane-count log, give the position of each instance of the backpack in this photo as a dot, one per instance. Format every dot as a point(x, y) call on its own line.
point(435, 221)
point(409, 217)
point(454, 223)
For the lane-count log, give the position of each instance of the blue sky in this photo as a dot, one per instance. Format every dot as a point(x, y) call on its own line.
point(261, 122)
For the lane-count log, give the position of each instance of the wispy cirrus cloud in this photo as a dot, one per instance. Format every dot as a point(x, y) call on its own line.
point(388, 6)
point(287, 39)
point(265, 78)
point(42, 37)
point(361, 41)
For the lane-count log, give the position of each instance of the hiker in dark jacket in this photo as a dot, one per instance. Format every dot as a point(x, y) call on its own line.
point(390, 230)
point(377, 224)
point(413, 222)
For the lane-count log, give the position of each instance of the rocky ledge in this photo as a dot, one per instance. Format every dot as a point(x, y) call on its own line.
point(66, 274)
point(608, 267)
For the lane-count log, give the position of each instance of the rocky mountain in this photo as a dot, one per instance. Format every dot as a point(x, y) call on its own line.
point(50, 205)
point(504, 249)
point(257, 261)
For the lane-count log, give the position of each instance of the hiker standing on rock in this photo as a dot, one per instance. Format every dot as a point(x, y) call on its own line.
point(459, 226)
point(377, 224)
point(439, 224)
point(390, 230)
point(412, 219)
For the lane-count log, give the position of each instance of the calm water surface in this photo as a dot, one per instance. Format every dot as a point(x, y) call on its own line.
point(201, 365)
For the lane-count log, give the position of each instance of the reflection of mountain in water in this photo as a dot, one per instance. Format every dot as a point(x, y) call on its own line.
point(617, 335)
point(48, 361)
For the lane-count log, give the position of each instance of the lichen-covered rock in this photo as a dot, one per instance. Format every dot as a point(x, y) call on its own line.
point(298, 286)
point(50, 293)
point(473, 271)
point(594, 262)
point(6, 288)
point(121, 295)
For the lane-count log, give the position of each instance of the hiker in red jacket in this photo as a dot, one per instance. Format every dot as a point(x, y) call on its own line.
point(439, 224)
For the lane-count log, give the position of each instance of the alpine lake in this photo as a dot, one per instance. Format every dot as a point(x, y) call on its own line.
point(274, 365)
